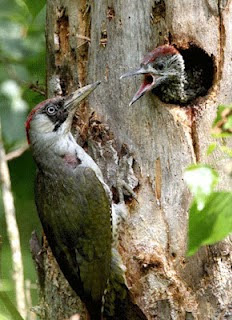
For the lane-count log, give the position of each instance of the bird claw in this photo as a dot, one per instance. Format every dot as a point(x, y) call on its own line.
point(120, 210)
point(122, 185)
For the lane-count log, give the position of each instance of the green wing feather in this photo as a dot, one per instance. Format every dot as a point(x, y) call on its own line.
point(75, 212)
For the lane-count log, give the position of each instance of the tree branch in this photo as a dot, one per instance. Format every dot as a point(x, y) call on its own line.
point(16, 153)
point(12, 229)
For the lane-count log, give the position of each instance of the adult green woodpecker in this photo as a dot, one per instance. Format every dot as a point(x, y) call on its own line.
point(73, 202)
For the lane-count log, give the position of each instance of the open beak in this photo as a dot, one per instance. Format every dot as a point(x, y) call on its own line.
point(148, 84)
point(77, 96)
point(141, 70)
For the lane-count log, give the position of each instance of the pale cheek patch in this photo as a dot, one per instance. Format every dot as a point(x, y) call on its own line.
point(42, 124)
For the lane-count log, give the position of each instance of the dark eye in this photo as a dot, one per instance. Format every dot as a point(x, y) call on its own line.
point(51, 110)
point(159, 66)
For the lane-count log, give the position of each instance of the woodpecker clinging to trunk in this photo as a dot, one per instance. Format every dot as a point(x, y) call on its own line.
point(72, 199)
point(76, 210)
point(165, 74)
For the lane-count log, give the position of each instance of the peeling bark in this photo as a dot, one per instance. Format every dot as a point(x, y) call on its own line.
point(149, 145)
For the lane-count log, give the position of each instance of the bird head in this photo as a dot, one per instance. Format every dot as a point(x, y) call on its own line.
point(53, 117)
point(162, 68)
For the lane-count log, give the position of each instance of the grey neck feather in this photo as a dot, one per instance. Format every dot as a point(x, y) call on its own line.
point(49, 151)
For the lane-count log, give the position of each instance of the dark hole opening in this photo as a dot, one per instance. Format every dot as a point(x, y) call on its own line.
point(173, 254)
point(199, 67)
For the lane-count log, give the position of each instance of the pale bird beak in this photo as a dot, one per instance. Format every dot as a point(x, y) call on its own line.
point(141, 70)
point(150, 79)
point(77, 96)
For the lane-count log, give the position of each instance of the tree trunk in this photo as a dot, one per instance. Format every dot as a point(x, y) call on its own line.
point(149, 145)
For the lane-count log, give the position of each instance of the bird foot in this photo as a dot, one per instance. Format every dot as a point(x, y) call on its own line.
point(119, 210)
point(121, 187)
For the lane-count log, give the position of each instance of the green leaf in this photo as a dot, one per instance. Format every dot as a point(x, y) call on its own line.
point(2, 317)
point(212, 224)
point(220, 112)
point(228, 124)
point(5, 285)
point(222, 126)
point(201, 180)
point(211, 148)
point(35, 6)
point(227, 150)
point(10, 306)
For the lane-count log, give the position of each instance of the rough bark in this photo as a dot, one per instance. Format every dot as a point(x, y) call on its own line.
point(149, 144)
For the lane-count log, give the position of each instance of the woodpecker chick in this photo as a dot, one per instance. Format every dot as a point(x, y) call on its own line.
point(164, 74)
point(72, 200)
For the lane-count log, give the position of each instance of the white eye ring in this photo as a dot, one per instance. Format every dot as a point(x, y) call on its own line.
point(51, 110)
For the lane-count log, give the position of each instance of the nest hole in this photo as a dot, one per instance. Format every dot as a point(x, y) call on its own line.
point(200, 69)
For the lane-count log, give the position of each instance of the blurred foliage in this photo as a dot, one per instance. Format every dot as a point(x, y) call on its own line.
point(222, 126)
point(201, 180)
point(211, 224)
point(210, 216)
point(10, 307)
point(22, 59)
point(22, 66)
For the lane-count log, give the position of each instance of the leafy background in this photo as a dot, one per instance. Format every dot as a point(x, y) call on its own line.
point(22, 64)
